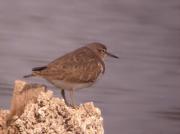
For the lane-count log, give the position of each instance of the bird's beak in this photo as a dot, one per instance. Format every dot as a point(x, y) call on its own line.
point(112, 55)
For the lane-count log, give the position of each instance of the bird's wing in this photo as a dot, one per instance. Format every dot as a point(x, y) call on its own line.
point(81, 66)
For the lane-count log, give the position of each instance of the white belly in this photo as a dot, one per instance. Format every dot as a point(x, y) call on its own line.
point(70, 86)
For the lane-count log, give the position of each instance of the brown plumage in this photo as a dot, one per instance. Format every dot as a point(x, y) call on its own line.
point(75, 70)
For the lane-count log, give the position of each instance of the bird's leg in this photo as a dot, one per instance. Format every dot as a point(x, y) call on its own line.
point(64, 96)
point(73, 101)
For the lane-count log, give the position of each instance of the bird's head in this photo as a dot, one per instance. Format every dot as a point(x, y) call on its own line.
point(100, 50)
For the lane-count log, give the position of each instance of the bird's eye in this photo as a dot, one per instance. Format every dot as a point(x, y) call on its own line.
point(103, 50)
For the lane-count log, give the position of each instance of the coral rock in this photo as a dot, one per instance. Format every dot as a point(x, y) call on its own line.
point(42, 113)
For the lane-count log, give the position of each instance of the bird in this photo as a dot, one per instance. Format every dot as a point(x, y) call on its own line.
point(75, 70)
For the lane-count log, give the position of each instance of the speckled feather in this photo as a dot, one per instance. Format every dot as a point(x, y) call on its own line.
point(79, 66)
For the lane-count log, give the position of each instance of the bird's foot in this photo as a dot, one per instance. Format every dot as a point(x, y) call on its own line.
point(74, 106)
point(71, 105)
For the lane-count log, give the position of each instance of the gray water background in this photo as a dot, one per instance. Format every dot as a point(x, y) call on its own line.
point(139, 93)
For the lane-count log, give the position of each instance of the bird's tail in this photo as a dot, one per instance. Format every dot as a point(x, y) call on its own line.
point(27, 76)
point(39, 68)
point(35, 71)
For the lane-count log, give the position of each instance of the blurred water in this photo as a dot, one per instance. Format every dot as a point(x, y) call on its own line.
point(139, 94)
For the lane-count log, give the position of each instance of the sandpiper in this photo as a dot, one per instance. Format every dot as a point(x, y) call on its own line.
point(75, 70)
